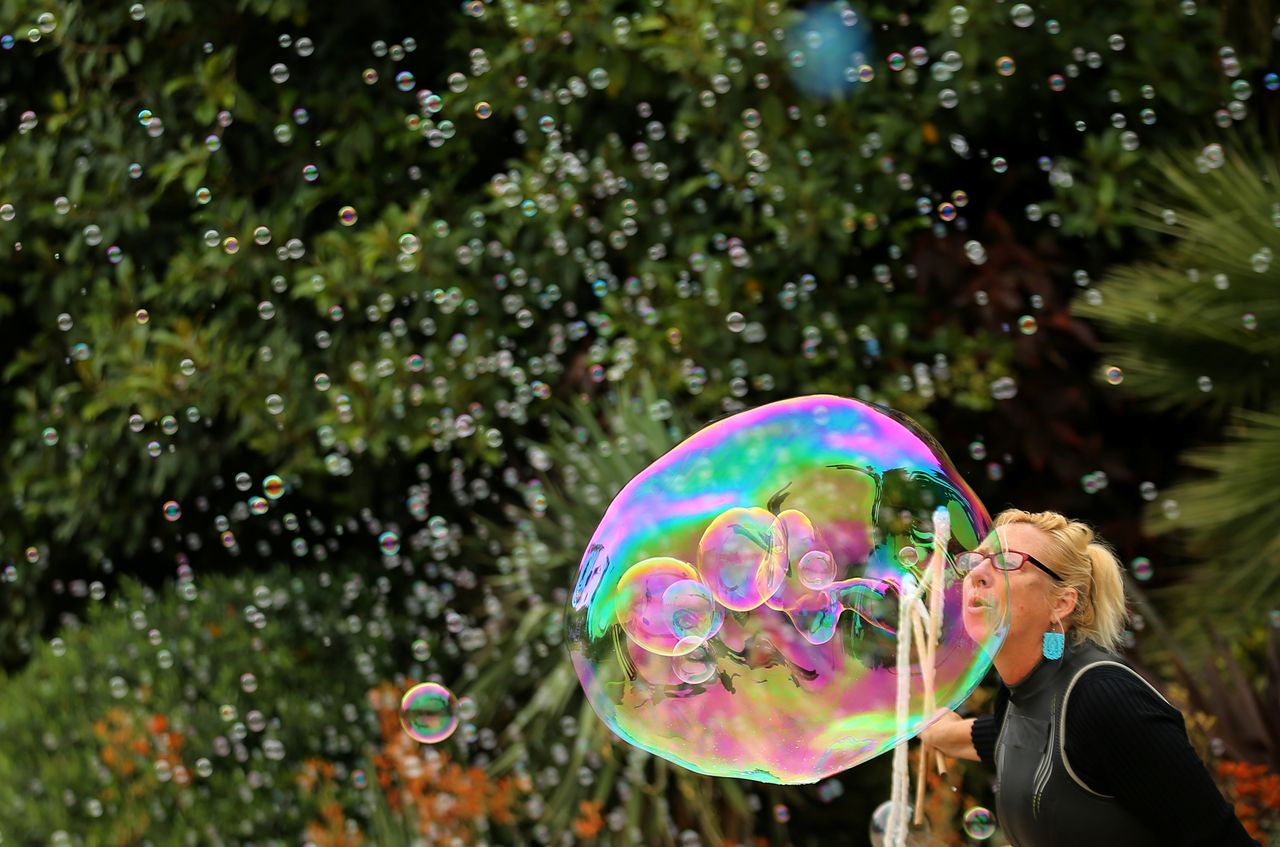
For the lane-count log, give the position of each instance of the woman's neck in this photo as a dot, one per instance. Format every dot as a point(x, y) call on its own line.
point(1015, 662)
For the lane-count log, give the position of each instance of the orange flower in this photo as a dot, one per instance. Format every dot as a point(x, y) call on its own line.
point(158, 724)
point(589, 824)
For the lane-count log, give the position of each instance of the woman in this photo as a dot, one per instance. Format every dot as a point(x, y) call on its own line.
point(1116, 768)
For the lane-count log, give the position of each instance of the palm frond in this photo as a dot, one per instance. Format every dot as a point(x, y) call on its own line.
point(1194, 332)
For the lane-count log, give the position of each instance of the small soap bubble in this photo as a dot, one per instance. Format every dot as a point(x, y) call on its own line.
point(273, 487)
point(429, 713)
point(405, 81)
point(279, 73)
point(172, 511)
point(248, 683)
point(1112, 374)
point(816, 569)
point(49, 436)
point(483, 110)
point(979, 823)
point(389, 542)
point(695, 667)
point(1022, 15)
point(1141, 567)
point(1027, 325)
point(347, 215)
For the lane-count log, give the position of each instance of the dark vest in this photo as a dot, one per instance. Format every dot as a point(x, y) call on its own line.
point(1040, 802)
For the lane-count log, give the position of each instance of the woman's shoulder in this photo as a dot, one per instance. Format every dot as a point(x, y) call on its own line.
point(1110, 689)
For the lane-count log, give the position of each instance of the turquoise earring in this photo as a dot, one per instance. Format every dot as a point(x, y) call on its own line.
point(1053, 644)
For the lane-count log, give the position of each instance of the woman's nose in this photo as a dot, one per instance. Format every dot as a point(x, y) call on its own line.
point(978, 576)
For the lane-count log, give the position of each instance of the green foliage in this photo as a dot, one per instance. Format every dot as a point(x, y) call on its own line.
point(647, 172)
point(218, 754)
point(1192, 331)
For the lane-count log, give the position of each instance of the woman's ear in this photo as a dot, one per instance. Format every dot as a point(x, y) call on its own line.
point(1066, 604)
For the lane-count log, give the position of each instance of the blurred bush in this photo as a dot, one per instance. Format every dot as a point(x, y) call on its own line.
point(648, 190)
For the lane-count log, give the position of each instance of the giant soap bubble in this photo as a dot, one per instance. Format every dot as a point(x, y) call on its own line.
point(737, 610)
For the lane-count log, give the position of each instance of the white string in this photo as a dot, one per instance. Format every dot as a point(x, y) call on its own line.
point(909, 603)
point(896, 830)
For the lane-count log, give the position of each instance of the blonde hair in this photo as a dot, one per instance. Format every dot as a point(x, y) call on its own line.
point(1088, 564)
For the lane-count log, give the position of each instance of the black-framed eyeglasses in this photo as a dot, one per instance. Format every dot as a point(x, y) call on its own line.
point(1006, 560)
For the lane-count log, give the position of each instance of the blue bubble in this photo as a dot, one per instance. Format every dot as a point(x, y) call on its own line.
point(825, 48)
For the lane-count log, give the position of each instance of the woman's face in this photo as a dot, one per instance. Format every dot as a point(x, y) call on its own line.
point(1024, 595)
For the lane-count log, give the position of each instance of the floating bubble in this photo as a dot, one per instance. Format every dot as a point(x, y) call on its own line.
point(1112, 374)
point(429, 713)
point(819, 45)
point(248, 683)
point(816, 569)
point(1027, 325)
point(1141, 567)
point(172, 511)
point(273, 487)
point(1022, 15)
point(390, 543)
point(405, 81)
point(695, 667)
point(880, 825)
point(49, 436)
point(979, 823)
point(1005, 66)
point(347, 215)
point(483, 110)
point(737, 609)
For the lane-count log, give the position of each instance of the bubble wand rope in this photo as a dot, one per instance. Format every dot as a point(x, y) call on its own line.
point(896, 828)
point(928, 647)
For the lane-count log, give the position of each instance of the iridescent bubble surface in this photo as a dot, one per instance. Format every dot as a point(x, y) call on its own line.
point(737, 609)
point(429, 712)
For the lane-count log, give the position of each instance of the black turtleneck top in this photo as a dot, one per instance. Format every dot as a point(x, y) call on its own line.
point(1124, 740)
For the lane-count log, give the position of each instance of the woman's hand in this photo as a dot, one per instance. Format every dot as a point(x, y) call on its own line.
point(953, 735)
